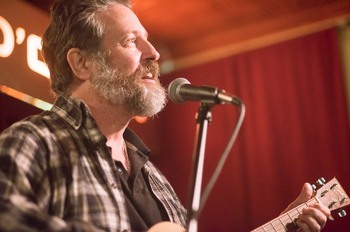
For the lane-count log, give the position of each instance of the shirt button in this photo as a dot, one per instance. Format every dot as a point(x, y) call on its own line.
point(114, 185)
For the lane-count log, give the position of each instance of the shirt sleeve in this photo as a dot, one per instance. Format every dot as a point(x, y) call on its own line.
point(25, 185)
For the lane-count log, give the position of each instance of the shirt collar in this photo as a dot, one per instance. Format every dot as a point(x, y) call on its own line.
point(71, 110)
point(76, 113)
point(135, 141)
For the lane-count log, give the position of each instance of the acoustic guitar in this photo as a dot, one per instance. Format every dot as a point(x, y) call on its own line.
point(330, 194)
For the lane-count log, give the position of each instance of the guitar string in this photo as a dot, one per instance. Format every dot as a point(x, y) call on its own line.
point(289, 215)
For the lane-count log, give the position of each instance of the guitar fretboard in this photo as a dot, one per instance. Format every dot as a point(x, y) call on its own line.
point(286, 221)
point(330, 194)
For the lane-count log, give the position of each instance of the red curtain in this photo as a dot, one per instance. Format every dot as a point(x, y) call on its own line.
point(296, 130)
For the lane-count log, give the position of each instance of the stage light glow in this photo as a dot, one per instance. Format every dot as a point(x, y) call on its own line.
point(25, 98)
point(140, 119)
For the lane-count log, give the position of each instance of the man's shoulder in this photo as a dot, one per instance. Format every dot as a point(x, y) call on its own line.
point(35, 125)
point(42, 120)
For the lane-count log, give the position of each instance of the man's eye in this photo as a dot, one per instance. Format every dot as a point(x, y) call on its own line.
point(132, 40)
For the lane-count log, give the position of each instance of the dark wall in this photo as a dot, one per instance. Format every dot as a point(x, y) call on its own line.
point(13, 110)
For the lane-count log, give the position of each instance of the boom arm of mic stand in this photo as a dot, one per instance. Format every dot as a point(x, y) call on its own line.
point(203, 120)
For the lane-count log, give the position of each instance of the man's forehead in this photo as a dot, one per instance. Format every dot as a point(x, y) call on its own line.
point(121, 18)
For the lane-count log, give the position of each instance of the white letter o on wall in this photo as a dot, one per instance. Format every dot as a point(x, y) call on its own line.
point(6, 48)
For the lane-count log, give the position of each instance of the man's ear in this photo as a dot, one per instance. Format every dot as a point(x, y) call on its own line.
point(79, 64)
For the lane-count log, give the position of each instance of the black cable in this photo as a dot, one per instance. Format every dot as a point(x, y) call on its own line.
point(221, 163)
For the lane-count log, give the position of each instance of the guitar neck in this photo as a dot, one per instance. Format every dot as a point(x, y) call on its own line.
point(331, 194)
point(286, 221)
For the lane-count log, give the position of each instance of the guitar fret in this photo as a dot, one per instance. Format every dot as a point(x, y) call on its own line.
point(288, 221)
point(291, 219)
point(274, 227)
point(283, 224)
point(278, 224)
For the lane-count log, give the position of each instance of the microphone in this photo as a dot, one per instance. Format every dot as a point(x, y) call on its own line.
point(180, 91)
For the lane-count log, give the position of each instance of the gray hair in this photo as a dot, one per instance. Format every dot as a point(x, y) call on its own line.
point(74, 24)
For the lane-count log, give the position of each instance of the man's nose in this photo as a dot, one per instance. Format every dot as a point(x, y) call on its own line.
point(149, 52)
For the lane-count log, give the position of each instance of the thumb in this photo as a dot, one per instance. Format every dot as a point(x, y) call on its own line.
point(305, 195)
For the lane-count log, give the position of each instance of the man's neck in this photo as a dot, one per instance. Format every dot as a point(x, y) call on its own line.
point(112, 121)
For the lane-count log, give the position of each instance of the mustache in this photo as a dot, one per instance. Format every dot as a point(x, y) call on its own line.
point(148, 66)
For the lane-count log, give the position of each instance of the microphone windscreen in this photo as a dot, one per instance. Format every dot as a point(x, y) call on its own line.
point(174, 90)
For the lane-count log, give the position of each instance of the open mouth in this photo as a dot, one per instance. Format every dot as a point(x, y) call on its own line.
point(148, 78)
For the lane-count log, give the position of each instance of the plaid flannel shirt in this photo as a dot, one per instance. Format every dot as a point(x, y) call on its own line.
point(57, 174)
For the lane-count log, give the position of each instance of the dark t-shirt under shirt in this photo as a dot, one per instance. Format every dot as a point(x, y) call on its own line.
point(143, 206)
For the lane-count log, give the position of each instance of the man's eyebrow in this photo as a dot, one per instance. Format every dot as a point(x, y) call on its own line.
point(138, 32)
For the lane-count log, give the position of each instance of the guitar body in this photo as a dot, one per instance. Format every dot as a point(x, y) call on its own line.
point(166, 227)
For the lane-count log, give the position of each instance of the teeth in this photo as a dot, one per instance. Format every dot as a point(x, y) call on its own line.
point(148, 76)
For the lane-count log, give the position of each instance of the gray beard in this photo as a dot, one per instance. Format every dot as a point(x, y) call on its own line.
point(137, 98)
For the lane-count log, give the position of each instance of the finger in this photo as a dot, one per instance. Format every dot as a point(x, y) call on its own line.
point(323, 209)
point(305, 194)
point(303, 226)
point(312, 223)
point(314, 217)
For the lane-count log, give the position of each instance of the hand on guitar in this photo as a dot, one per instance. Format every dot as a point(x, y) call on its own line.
point(313, 217)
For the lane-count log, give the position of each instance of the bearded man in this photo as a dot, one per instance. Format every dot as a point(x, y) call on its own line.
point(78, 167)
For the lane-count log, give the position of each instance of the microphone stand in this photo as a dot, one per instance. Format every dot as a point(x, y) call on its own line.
point(203, 118)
